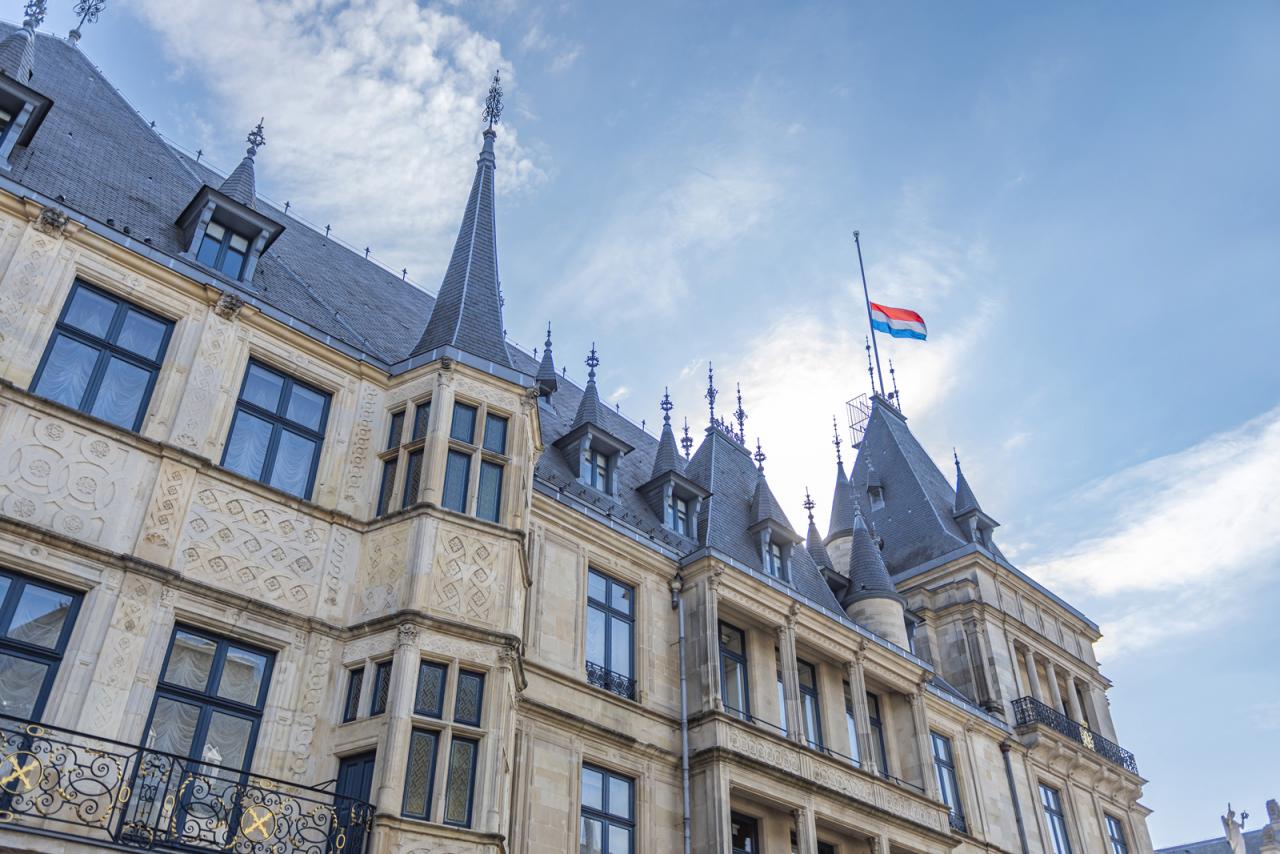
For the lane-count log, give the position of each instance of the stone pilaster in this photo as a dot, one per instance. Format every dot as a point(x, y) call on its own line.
point(868, 757)
point(920, 723)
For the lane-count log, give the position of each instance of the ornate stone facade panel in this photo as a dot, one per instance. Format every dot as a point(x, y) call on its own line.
point(206, 388)
point(467, 581)
point(121, 654)
point(380, 588)
point(166, 512)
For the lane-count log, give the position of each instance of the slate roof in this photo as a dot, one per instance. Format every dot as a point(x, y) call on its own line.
point(966, 501)
point(666, 458)
point(815, 547)
point(868, 577)
point(1252, 845)
point(17, 55)
point(546, 378)
point(843, 504)
point(241, 185)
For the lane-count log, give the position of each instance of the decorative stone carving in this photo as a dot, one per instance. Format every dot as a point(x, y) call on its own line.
point(466, 581)
point(303, 732)
point(228, 306)
point(407, 635)
point(755, 747)
point(382, 576)
point(168, 508)
point(52, 222)
point(358, 457)
point(198, 406)
point(121, 654)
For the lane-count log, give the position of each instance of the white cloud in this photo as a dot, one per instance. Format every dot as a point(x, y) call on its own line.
point(1189, 534)
point(372, 111)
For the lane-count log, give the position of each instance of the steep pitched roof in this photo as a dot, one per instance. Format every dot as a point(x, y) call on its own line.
point(667, 458)
point(843, 505)
point(18, 54)
point(468, 310)
point(868, 576)
point(546, 379)
point(240, 185)
point(764, 507)
point(815, 547)
point(1220, 845)
point(965, 502)
point(589, 407)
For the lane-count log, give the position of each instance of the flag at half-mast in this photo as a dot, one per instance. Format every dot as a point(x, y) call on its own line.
point(898, 322)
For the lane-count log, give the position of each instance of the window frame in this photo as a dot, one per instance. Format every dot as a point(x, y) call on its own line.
point(680, 513)
point(351, 700)
point(851, 724)
point(1116, 836)
point(51, 658)
point(751, 826)
point(378, 701)
point(279, 422)
point(612, 615)
point(447, 729)
point(602, 814)
point(224, 244)
point(479, 454)
point(741, 662)
point(107, 349)
point(1055, 818)
point(403, 442)
point(875, 720)
point(945, 766)
point(813, 694)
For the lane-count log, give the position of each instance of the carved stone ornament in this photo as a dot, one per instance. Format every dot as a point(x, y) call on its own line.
point(406, 635)
point(52, 221)
point(228, 306)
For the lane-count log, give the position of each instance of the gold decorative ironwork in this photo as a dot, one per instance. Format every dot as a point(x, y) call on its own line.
point(23, 774)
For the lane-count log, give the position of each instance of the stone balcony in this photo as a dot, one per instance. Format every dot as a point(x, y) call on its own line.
point(1030, 712)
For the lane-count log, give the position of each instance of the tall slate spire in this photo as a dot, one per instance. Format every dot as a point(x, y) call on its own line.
point(468, 311)
point(589, 408)
point(667, 457)
point(813, 541)
point(546, 380)
point(843, 501)
point(240, 185)
point(868, 576)
point(18, 50)
point(966, 501)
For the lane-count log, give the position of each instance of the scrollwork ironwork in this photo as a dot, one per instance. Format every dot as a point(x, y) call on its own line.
point(614, 683)
point(1029, 711)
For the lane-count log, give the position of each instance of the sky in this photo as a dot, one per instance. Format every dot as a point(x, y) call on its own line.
point(1083, 201)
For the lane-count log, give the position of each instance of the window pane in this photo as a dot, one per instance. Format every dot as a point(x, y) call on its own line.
point(596, 587)
point(20, 684)
point(595, 637)
point(40, 615)
point(419, 773)
point(238, 242)
point(242, 673)
point(592, 789)
point(120, 395)
point(227, 742)
point(216, 231)
point(173, 726)
point(429, 699)
point(142, 335)
point(90, 311)
point(5, 584)
point(619, 839)
point(620, 597)
point(232, 263)
point(591, 837)
point(807, 677)
point(470, 698)
point(190, 661)
point(352, 706)
point(388, 483)
point(381, 686)
point(66, 371)
point(263, 387)
point(421, 416)
point(489, 498)
point(619, 796)
point(247, 445)
point(464, 423)
point(495, 434)
point(457, 795)
point(731, 639)
point(292, 467)
point(456, 474)
point(306, 407)
point(395, 430)
point(207, 254)
point(620, 651)
point(734, 687)
point(412, 478)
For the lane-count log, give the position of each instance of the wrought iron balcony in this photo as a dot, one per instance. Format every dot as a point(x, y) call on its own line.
point(614, 683)
point(958, 823)
point(58, 782)
point(1029, 711)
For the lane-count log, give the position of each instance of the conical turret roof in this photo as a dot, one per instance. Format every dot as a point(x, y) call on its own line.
point(589, 408)
point(667, 458)
point(241, 185)
point(868, 576)
point(18, 50)
point(546, 379)
point(844, 504)
point(966, 501)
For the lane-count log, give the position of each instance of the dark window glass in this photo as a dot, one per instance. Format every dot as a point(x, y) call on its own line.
point(351, 706)
point(412, 478)
point(421, 416)
point(420, 774)
point(103, 358)
point(495, 434)
point(774, 564)
point(387, 485)
point(457, 472)
point(460, 785)
point(470, 700)
point(877, 732)
point(223, 249)
point(381, 688)
point(598, 470)
point(464, 423)
point(745, 834)
point(809, 709)
point(850, 723)
point(735, 692)
point(489, 494)
point(610, 624)
point(395, 430)
point(277, 431)
point(1055, 818)
point(678, 511)
point(1115, 835)
point(607, 823)
point(35, 622)
point(944, 764)
point(429, 699)
point(782, 694)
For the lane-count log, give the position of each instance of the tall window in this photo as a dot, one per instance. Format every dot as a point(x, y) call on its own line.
point(35, 622)
point(1055, 818)
point(598, 469)
point(445, 744)
point(381, 688)
point(1115, 835)
point(404, 453)
point(734, 690)
point(467, 451)
point(850, 724)
point(944, 765)
point(277, 431)
point(782, 693)
point(610, 631)
point(745, 834)
point(678, 516)
point(104, 357)
point(608, 820)
point(809, 711)
point(774, 564)
point(223, 249)
point(351, 703)
point(877, 732)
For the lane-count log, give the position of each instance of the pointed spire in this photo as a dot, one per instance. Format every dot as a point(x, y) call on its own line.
point(589, 408)
point(546, 380)
point(686, 441)
point(467, 314)
point(868, 576)
point(871, 370)
point(88, 10)
point(740, 415)
point(835, 427)
point(240, 185)
point(843, 501)
point(764, 507)
point(18, 50)
point(966, 501)
point(897, 396)
point(667, 459)
point(711, 392)
point(813, 540)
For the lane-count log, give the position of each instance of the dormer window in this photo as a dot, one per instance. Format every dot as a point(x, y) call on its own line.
point(875, 494)
point(678, 515)
point(223, 249)
point(598, 466)
point(774, 564)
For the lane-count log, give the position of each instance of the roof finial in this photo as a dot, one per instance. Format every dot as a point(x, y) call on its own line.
point(759, 456)
point(35, 12)
point(711, 392)
point(955, 456)
point(88, 10)
point(871, 371)
point(493, 103)
point(835, 427)
point(897, 398)
point(548, 344)
point(256, 139)
point(686, 441)
point(666, 405)
point(741, 415)
point(809, 504)
point(593, 362)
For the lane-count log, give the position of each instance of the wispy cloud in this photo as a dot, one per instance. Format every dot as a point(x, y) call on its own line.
point(372, 110)
point(1188, 535)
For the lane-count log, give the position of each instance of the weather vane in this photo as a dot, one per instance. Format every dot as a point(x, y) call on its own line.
point(35, 12)
point(493, 103)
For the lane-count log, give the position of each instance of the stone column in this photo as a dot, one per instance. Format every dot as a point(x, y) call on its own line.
point(1073, 701)
point(394, 750)
point(711, 608)
point(790, 679)
point(806, 830)
point(920, 722)
point(868, 756)
point(1033, 680)
point(1051, 673)
point(436, 448)
point(1102, 711)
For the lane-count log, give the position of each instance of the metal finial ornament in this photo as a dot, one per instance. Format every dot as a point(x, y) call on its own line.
point(666, 406)
point(897, 398)
point(256, 138)
point(366, 253)
point(686, 441)
point(711, 392)
point(835, 428)
point(740, 415)
point(871, 371)
point(493, 103)
point(593, 362)
point(35, 11)
point(809, 503)
point(547, 347)
point(287, 205)
point(759, 456)
point(199, 154)
point(404, 274)
point(88, 10)
point(326, 231)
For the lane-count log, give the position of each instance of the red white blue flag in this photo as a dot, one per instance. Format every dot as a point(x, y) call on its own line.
point(898, 322)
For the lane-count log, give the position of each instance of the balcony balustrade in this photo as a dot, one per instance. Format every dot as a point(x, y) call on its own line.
point(58, 782)
point(1029, 711)
point(614, 683)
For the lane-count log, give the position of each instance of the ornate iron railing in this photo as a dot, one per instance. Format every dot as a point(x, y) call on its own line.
point(1029, 711)
point(64, 783)
point(615, 683)
point(958, 823)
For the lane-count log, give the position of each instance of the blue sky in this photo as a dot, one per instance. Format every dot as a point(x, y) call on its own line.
point(1082, 201)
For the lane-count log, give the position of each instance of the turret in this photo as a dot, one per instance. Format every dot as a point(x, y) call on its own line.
point(870, 598)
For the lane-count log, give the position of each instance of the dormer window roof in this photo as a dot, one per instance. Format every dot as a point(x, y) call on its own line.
point(675, 499)
point(770, 528)
point(22, 108)
point(591, 451)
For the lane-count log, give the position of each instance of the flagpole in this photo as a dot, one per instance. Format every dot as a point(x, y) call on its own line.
point(867, 298)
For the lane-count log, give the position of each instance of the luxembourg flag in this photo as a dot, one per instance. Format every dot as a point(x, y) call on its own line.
point(898, 322)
